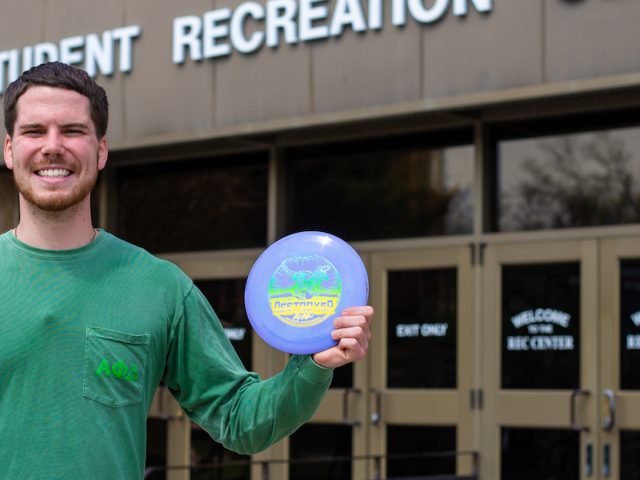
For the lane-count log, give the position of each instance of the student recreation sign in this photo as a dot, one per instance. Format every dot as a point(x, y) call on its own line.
point(246, 28)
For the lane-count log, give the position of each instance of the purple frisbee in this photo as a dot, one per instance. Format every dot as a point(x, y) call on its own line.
point(299, 285)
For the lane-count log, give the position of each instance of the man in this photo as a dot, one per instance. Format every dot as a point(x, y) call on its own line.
point(91, 324)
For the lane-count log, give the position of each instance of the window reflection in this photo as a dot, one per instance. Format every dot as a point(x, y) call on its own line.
point(390, 189)
point(343, 377)
point(227, 298)
point(629, 324)
point(432, 447)
point(8, 201)
point(205, 452)
point(574, 180)
point(629, 458)
point(203, 205)
point(156, 448)
point(422, 329)
point(330, 444)
point(541, 326)
point(540, 454)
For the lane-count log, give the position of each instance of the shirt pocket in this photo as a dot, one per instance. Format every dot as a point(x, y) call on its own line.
point(114, 366)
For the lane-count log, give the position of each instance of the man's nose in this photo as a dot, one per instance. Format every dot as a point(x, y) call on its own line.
point(53, 144)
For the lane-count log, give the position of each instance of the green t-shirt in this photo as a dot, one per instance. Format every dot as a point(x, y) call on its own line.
point(86, 335)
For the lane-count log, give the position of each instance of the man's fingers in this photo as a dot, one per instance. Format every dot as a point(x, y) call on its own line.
point(351, 321)
point(351, 349)
point(352, 332)
point(357, 333)
point(365, 311)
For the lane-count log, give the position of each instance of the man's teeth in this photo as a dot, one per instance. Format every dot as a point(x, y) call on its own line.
point(54, 172)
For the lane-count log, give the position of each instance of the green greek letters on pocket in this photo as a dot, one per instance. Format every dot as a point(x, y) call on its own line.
point(119, 369)
point(132, 376)
point(114, 366)
point(104, 368)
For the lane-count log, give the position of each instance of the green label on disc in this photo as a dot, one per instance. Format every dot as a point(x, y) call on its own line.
point(304, 290)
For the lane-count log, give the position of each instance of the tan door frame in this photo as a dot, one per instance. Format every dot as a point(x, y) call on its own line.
point(425, 407)
point(543, 408)
point(621, 407)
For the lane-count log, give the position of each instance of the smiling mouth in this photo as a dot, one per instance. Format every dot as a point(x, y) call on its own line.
point(53, 172)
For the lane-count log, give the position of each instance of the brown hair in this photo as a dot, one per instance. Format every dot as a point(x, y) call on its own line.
point(60, 75)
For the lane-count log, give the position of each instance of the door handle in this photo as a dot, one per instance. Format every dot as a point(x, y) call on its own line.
point(609, 414)
point(346, 418)
point(376, 415)
point(572, 411)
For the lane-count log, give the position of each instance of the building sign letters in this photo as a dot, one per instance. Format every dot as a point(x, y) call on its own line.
point(95, 53)
point(245, 29)
point(219, 32)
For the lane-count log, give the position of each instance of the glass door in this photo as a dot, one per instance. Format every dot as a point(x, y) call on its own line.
point(540, 361)
point(222, 279)
point(337, 435)
point(620, 366)
point(422, 392)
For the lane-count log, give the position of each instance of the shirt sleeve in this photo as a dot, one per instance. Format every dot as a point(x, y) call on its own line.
point(236, 407)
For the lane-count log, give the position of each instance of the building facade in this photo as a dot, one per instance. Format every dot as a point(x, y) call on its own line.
point(483, 158)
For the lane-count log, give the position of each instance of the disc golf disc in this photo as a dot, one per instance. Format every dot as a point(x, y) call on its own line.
point(299, 285)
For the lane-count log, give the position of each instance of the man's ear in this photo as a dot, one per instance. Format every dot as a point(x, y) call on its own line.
point(103, 153)
point(8, 152)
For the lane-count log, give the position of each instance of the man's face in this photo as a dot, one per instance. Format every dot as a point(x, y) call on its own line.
point(54, 152)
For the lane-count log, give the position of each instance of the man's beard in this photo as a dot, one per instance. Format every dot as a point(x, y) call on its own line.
point(57, 202)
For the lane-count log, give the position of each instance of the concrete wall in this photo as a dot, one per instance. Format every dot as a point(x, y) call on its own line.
point(519, 45)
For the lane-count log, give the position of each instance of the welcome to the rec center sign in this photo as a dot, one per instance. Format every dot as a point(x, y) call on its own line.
point(246, 28)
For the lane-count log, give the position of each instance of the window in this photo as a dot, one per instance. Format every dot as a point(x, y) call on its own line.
point(330, 444)
point(8, 201)
point(187, 206)
point(227, 299)
point(420, 452)
point(541, 326)
point(540, 454)
point(401, 187)
point(629, 323)
point(548, 179)
point(422, 329)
